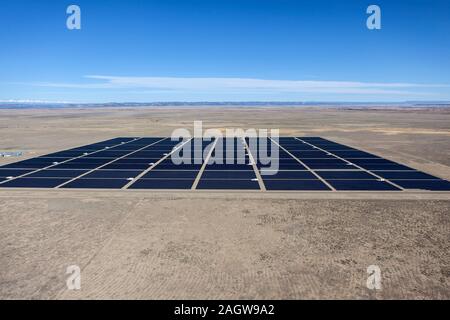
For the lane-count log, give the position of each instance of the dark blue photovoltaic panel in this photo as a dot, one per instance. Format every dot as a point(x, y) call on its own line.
point(405, 175)
point(131, 166)
point(171, 174)
point(111, 164)
point(361, 185)
point(331, 166)
point(299, 147)
point(96, 161)
point(228, 174)
point(68, 154)
point(24, 165)
point(381, 167)
point(113, 174)
point(168, 166)
point(311, 154)
point(108, 154)
point(96, 184)
point(126, 147)
point(232, 167)
point(292, 175)
point(431, 185)
point(323, 161)
point(33, 183)
point(50, 173)
point(268, 161)
point(353, 154)
point(80, 150)
point(46, 160)
point(74, 166)
point(372, 161)
point(294, 166)
point(139, 161)
point(13, 172)
point(304, 185)
point(351, 175)
point(228, 184)
point(163, 184)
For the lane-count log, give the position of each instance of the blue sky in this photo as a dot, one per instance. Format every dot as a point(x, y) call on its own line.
point(224, 50)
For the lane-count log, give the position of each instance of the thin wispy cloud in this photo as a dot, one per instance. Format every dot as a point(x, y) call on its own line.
point(244, 85)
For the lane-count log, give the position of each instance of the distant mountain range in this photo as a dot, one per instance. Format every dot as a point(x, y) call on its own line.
point(46, 105)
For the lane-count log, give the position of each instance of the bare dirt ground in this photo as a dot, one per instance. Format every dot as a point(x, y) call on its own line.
point(148, 245)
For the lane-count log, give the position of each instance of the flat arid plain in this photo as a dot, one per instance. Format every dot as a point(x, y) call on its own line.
point(214, 245)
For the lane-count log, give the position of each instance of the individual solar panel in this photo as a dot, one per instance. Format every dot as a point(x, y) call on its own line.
point(149, 154)
point(136, 160)
point(171, 166)
point(162, 184)
point(128, 148)
point(372, 161)
point(294, 166)
point(75, 165)
point(300, 147)
point(310, 154)
point(171, 174)
point(228, 184)
point(97, 161)
point(51, 173)
point(4, 173)
point(33, 183)
point(291, 175)
point(68, 154)
point(431, 185)
point(361, 185)
point(354, 154)
point(123, 166)
point(290, 161)
point(383, 167)
point(113, 174)
point(24, 165)
point(228, 175)
point(331, 166)
point(405, 175)
point(96, 184)
point(108, 154)
point(346, 175)
point(232, 167)
point(323, 161)
point(299, 185)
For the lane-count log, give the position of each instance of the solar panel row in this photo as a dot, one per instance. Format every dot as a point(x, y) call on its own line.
point(307, 163)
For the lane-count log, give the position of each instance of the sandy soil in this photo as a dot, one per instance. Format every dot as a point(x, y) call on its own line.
point(144, 245)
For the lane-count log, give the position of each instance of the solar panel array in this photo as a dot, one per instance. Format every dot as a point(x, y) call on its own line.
point(304, 164)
